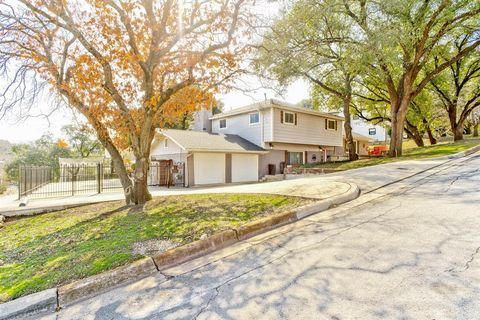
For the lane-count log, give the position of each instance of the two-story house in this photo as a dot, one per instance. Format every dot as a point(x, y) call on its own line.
point(293, 135)
point(247, 143)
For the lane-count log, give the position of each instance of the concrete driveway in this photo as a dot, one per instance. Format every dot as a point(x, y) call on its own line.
point(414, 254)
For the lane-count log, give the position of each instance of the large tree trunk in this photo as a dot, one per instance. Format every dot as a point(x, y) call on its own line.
point(140, 183)
point(399, 113)
point(121, 170)
point(431, 138)
point(414, 134)
point(456, 127)
point(352, 155)
point(475, 130)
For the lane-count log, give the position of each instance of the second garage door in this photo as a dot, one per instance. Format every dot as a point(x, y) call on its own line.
point(209, 168)
point(244, 167)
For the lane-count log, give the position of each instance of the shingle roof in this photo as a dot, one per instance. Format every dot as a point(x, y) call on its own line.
point(279, 104)
point(204, 141)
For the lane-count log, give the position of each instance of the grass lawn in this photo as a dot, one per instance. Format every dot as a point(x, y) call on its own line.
point(411, 153)
point(55, 248)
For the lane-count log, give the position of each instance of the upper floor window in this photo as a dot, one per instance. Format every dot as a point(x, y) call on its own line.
point(222, 123)
point(165, 143)
point(254, 118)
point(288, 117)
point(330, 124)
point(356, 117)
point(372, 131)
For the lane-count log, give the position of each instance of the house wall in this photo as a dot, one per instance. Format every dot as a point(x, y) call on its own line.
point(362, 127)
point(310, 129)
point(172, 151)
point(273, 157)
point(240, 125)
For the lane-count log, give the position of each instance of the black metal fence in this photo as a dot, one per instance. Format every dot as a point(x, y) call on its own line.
point(68, 180)
point(76, 179)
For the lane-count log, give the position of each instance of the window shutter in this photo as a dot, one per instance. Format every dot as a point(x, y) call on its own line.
point(295, 119)
point(336, 125)
point(281, 116)
point(326, 124)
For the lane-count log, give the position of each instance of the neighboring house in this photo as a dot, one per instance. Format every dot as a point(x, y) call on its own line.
point(204, 158)
point(248, 143)
point(293, 135)
point(376, 132)
point(361, 144)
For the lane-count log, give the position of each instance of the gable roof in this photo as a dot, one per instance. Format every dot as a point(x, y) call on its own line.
point(272, 103)
point(210, 142)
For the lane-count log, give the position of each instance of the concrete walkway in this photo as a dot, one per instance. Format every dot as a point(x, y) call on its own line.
point(318, 187)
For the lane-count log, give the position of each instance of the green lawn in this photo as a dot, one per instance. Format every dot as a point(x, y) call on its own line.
point(41, 252)
point(412, 153)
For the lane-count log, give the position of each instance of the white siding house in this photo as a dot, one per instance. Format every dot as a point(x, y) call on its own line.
point(293, 135)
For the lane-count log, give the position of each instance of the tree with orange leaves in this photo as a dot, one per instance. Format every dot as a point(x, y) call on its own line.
point(129, 66)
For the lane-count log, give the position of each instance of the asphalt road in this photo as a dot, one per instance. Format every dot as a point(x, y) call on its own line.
point(414, 254)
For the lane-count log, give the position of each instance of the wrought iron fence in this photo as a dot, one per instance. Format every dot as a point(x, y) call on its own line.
point(76, 179)
point(68, 180)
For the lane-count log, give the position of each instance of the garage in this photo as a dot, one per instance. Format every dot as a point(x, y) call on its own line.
point(209, 168)
point(244, 167)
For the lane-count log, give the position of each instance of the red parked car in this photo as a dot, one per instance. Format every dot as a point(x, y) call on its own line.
point(377, 150)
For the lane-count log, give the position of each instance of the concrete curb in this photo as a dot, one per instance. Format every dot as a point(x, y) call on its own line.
point(85, 288)
point(43, 301)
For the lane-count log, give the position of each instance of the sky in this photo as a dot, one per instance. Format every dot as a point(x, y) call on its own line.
point(32, 128)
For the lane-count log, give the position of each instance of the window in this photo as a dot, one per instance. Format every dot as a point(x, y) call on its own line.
point(295, 158)
point(372, 131)
point(254, 118)
point(330, 124)
point(289, 118)
point(223, 123)
point(355, 117)
point(165, 143)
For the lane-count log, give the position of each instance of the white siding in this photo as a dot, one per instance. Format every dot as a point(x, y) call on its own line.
point(362, 127)
point(172, 151)
point(240, 125)
point(310, 129)
point(244, 167)
point(267, 125)
point(209, 168)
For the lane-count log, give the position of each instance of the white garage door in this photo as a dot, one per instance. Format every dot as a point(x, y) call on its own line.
point(209, 168)
point(244, 167)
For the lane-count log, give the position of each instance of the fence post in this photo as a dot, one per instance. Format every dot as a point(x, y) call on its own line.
point(19, 181)
point(73, 179)
point(99, 186)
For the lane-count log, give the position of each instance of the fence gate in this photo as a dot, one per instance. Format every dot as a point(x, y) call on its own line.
point(68, 180)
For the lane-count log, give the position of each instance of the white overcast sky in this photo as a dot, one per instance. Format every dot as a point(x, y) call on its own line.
point(32, 128)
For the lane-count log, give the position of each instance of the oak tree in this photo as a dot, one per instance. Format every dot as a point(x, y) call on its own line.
point(129, 67)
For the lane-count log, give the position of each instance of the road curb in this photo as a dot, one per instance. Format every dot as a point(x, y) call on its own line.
point(91, 286)
point(43, 301)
